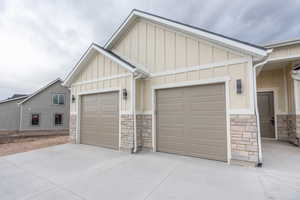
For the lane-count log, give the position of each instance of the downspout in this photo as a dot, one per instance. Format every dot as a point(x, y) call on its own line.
point(133, 103)
point(264, 61)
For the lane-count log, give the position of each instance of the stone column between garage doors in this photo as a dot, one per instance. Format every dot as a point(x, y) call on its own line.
point(127, 133)
point(144, 131)
point(72, 128)
point(244, 145)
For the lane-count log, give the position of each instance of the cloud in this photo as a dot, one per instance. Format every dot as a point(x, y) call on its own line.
point(42, 40)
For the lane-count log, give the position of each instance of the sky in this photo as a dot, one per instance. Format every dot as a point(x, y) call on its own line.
point(42, 40)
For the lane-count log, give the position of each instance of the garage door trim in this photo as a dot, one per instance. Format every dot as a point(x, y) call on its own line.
point(224, 80)
point(79, 95)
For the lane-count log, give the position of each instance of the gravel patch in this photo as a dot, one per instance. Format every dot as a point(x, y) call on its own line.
point(31, 143)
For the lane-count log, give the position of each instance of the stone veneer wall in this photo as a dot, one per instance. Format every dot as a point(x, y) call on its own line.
point(72, 127)
point(283, 127)
point(144, 131)
point(243, 131)
point(288, 128)
point(294, 129)
point(127, 133)
point(297, 123)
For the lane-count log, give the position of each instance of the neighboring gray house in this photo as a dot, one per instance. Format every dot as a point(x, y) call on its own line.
point(10, 113)
point(45, 110)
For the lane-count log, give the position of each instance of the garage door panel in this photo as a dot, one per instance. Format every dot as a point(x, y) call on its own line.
point(194, 123)
point(100, 120)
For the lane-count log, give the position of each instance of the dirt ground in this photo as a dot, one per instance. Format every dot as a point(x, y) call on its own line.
point(28, 144)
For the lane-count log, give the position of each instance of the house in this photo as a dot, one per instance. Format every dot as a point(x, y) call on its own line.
point(45, 110)
point(165, 86)
point(10, 113)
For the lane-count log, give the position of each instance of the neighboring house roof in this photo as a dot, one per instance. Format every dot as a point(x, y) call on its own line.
point(208, 35)
point(12, 99)
point(282, 43)
point(17, 96)
point(95, 47)
point(41, 90)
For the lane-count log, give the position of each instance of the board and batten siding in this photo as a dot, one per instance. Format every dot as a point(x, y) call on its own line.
point(159, 48)
point(101, 73)
point(10, 115)
point(275, 79)
point(236, 71)
point(42, 104)
point(285, 51)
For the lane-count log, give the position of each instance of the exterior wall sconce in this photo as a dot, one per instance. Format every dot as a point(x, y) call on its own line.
point(239, 87)
point(73, 99)
point(124, 94)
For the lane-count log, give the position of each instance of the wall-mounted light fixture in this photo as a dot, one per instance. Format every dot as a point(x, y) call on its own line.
point(73, 99)
point(239, 87)
point(124, 93)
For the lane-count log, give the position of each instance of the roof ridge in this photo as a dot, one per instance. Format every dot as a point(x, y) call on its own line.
point(41, 89)
point(187, 25)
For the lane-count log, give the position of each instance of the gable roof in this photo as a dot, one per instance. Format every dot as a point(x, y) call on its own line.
point(95, 47)
point(245, 47)
point(13, 99)
point(40, 90)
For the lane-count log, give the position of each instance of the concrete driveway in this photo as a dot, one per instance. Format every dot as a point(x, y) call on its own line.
point(87, 172)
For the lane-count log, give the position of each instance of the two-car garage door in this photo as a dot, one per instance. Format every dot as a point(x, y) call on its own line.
point(99, 123)
point(192, 121)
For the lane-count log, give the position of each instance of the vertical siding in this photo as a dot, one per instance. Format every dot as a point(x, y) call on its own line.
point(274, 79)
point(160, 48)
point(10, 115)
point(100, 67)
point(237, 71)
point(290, 90)
point(285, 51)
point(42, 104)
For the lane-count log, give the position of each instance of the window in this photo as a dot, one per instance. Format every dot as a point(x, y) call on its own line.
point(58, 99)
point(35, 119)
point(58, 119)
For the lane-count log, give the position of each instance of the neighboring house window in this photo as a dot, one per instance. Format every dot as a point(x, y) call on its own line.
point(35, 119)
point(58, 119)
point(58, 99)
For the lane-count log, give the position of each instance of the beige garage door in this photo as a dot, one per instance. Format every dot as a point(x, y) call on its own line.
point(192, 121)
point(99, 124)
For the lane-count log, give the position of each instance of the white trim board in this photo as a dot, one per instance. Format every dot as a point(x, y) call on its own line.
point(201, 67)
point(216, 38)
point(283, 58)
point(102, 79)
point(224, 80)
point(241, 112)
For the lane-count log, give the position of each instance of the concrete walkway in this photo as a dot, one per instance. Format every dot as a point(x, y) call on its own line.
point(84, 172)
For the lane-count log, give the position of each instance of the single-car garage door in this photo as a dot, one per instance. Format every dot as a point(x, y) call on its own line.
point(192, 121)
point(99, 123)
